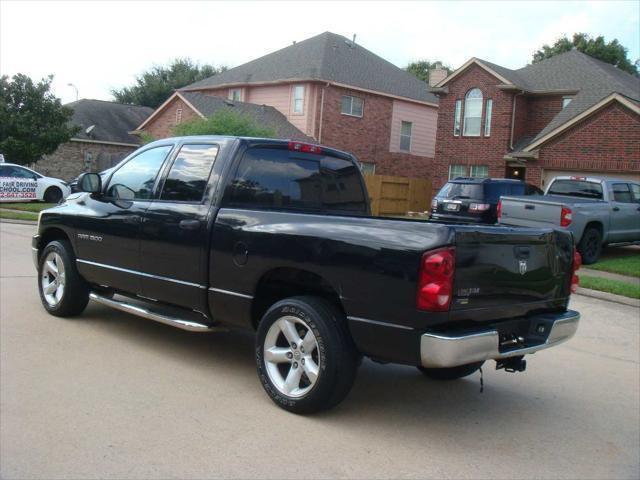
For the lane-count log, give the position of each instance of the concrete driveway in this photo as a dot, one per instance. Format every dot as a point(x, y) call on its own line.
point(108, 395)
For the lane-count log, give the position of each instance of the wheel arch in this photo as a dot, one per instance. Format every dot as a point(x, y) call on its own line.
point(593, 224)
point(284, 282)
point(51, 234)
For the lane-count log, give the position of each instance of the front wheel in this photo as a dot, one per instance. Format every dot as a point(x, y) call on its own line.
point(63, 292)
point(305, 356)
point(451, 373)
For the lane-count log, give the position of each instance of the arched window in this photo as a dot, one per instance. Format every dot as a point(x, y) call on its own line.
point(472, 113)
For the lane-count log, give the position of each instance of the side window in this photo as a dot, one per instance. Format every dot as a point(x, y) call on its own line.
point(21, 173)
point(621, 193)
point(5, 171)
point(189, 174)
point(275, 178)
point(635, 192)
point(135, 179)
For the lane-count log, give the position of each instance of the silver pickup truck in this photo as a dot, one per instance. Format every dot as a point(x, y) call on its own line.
point(597, 211)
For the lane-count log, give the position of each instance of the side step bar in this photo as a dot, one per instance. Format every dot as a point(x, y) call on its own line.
point(144, 312)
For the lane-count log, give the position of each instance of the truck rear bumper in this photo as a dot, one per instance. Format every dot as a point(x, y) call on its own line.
point(442, 350)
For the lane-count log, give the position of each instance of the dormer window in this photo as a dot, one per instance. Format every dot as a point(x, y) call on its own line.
point(566, 101)
point(472, 113)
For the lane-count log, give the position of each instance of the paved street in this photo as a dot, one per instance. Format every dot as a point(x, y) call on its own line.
point(109, 395)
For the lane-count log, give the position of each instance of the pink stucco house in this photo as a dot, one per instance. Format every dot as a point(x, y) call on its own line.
point(328, 89)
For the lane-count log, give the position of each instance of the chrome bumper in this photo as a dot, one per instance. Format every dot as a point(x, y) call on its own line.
point(34, 256)
point(442, 350)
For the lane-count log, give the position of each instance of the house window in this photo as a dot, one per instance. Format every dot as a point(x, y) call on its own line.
point(456, 118)
point(472, 113)
point(405, 136)
point(566, 101)
point(298, 99)
point(479, 171)
point(352, 106)
point(456, 171)
point(178, 116)
point(367, 168)
point(235, 94)
point(487, 117)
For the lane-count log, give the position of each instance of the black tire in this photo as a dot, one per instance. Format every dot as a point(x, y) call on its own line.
point(52, 195)
point(335, 352)
point(75, 293)
point(590, 246)
point(452, 373)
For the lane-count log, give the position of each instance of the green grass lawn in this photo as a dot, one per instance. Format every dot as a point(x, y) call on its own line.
point(624, 265)
point(27, 206)
point(18, 215)
point(612, 286)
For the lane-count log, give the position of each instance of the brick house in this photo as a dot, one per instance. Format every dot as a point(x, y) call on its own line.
point(103, 139)
point(570, 114)
point(335, 92)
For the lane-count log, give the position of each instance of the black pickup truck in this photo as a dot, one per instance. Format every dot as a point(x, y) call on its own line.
point(209, 233)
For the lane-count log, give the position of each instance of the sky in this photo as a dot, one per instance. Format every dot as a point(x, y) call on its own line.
point(98, 46)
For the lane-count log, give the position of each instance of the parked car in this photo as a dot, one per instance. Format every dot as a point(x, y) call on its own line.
point(475, 200)
point(204, 233)
point(597, 211)
point(18, 183)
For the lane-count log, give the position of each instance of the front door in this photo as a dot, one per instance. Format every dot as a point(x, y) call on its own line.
point(108, 240)
point(516, 173)
point(624, 225)
point(175, 233)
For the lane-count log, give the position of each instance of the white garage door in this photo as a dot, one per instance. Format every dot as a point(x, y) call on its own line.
point(548, 175)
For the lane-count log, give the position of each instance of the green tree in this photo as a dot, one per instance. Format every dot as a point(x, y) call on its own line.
point(420, 68)
point(155, 85)
point(224, 122)
point(612, 52)
point(33, 122)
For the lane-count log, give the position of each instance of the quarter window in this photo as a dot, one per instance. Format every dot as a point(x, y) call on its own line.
point(479, 171)
point(456, 118)
point(135, 179)
point(456, 171)
point(472, 113)
point(487, 117)
point(298, 99)
point(405, 136)
point(635, 191)
point(275, 178)
point(352, 106)
point(189, 174)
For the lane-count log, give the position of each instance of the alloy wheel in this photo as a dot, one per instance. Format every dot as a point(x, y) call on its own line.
point(291, 356)
point(52, 279)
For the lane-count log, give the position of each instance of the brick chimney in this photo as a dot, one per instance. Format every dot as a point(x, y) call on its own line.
point(437, 74)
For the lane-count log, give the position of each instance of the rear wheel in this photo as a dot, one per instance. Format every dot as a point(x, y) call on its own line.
point(52, 195)
point(63, 292)
point(305, 357)
point(451, 373)
point(590, 245)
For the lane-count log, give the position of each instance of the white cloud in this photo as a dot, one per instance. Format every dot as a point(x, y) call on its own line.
point(102, 45)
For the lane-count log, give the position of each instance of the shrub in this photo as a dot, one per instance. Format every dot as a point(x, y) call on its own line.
point(225, 122)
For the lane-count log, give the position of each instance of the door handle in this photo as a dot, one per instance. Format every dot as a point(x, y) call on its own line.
point(616, 209)
point(189, 224)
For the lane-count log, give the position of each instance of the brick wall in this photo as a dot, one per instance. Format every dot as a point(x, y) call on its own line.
point(73, 158)
point(161, 125)
point(473, 150)
point(607, 141)
point(534, 113)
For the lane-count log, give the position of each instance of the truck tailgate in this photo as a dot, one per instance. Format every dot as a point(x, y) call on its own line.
point(505, 267)
point(530, 211)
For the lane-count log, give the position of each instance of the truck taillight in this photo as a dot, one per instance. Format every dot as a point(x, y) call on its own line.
point(499, 211)
point(304, 147)
point(435, 280)
point(434, 204)
point(577, 263)
point(566, 217)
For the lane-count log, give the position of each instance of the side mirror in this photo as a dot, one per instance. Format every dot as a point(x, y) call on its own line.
point(90, 182)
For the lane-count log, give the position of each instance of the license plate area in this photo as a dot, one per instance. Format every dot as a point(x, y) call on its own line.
point(452, 207)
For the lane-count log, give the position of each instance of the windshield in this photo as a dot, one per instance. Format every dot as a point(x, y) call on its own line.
point(576, 188)
point(461, 190)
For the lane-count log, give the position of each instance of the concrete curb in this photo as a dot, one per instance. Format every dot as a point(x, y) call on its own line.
point(608, 275)
point(609, 297)
point(19, 222)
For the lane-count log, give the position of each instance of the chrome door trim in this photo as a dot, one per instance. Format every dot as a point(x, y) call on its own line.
point(142, 274)
point(376, 322)
point(229, 292)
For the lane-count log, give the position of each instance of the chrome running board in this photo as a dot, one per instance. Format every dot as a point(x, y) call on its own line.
point(144, 312)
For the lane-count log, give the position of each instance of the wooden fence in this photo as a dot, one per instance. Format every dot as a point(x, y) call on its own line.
point(398, 195)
